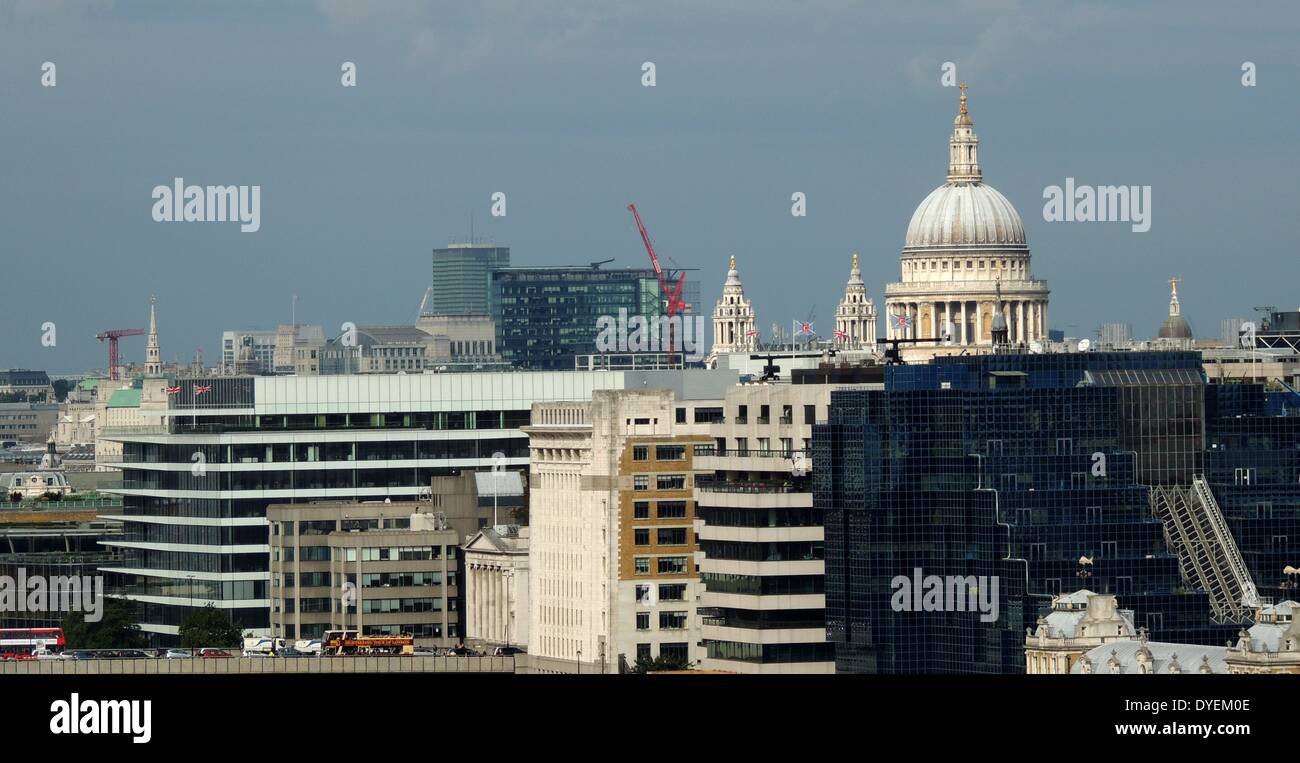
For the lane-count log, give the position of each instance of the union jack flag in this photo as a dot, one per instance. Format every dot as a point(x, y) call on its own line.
point(172, 390)
point(805, 328)
point(752, 332)
point(199, 390)
point(841, 335)
point(900, 321)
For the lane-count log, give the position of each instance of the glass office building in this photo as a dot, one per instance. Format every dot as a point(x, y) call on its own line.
point(1252, 464)
point(1029, 475)
point(545, 317)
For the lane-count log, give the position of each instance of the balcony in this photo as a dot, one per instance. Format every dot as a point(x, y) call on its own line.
point(710, 485)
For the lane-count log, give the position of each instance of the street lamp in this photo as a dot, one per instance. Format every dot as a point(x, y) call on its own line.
point(508, 574)
point(578, 662)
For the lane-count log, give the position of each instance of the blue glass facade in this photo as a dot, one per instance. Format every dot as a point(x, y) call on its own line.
point(1017, 468)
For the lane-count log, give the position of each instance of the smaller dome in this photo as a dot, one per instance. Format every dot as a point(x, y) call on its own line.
point(1175, 327)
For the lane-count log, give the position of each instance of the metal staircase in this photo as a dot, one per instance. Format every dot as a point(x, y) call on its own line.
point(1207, 553)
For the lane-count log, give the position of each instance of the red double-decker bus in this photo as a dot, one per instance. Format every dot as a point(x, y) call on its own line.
point(18, 643)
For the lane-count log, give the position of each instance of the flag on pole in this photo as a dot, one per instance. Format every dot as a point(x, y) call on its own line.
point(172, 390)
point(199, 390)
point(804, 328)
point(900, 321)
point(841, 335)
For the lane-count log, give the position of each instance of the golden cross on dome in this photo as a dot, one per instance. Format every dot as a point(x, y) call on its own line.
point(963, 97)
point(733, 262)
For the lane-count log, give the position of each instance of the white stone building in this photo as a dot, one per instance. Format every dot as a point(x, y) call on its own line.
point(963, 240)
point(496, 586)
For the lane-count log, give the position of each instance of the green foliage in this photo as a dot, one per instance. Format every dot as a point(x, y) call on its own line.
point(662, 662)
point(61, 387)
point(208, 626)
point(117, 629)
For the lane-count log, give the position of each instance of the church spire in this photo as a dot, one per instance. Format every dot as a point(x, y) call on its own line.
point(963, 147)
point(1173, 296)
point(153, 355)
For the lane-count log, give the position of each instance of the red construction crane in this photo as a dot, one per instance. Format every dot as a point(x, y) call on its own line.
point(112, 335)
point(673, 294)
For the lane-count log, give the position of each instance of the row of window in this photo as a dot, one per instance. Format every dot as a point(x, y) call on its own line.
point(668, 621)
point(662, 452)
point(663, 565)
point(663, 510)
point(664, 536)
point(662, 482)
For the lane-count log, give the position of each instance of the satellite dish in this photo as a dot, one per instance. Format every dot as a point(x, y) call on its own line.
point(1036, 347)
point(1084, 344)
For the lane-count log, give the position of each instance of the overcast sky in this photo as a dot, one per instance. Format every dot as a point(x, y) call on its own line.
point(542, 101)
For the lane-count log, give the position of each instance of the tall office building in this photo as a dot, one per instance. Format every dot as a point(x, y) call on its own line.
point(612, 550)
point(1018, 478)
point(761, 538)
point(547, 316)
point(462, 278)
point(197, 481)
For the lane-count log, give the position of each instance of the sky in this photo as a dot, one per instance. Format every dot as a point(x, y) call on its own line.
point(753, 101)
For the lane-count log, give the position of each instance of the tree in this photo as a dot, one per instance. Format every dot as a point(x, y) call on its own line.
point(662, 662)
point(208, 626)
point(117, 629)
point(61, 387)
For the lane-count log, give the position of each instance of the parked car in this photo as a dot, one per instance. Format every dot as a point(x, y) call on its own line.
point(177, 654)
point(79, 654)
point(209, 653)
point(506, 651)
point(131, 654)
point(425, 653)
point(289, 651)
point(464, 651)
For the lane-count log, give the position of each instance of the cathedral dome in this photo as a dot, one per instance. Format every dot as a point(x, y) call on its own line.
point(965, 214)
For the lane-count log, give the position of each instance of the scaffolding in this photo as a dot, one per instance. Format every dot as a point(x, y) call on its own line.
point(1208, 556)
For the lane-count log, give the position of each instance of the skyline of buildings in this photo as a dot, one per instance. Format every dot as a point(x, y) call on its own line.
point(750, 515)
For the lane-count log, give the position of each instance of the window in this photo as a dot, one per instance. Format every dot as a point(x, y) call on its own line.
point(681, 415)
point(643, 621)
point(677, 651)
point(671, 509)
point(672, 592)
point(670, 452)
point(640, 453)
point(671, 481)
point(671, 536)
point(641, 536)
point(672, 620)
point(742, 414)
point(641, 482)
point(642, 564)
point(672, 565)
point(641, 510)
point(642, 652)
point(810, 414)
point(643, 594)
